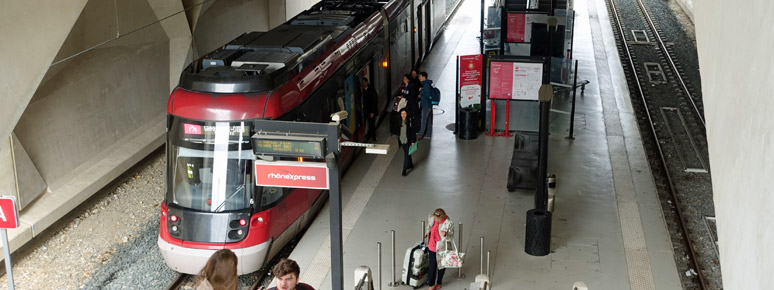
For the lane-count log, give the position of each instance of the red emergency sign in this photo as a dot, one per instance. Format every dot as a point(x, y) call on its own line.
point(8, 213)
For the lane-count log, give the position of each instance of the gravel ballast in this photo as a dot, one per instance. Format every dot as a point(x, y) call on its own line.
point(110, 235)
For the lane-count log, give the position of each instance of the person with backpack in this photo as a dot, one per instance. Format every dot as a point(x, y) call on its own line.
point(426, 105)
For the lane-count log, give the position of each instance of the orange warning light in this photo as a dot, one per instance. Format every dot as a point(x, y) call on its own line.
point(300, 159)
point(385, 64)
point(415, 30)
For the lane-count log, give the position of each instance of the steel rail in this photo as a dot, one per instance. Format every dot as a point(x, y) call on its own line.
point(670, 60)
point(678, 211)
point(258, 285)
point(177, 283)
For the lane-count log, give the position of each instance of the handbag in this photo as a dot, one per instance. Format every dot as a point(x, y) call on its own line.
point(451, 258)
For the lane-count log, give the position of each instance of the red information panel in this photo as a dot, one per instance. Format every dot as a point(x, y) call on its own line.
point(515, 80)
point(470, 79)
point(292, 174)
point(517, 27)
point(8, 214)
point(500, 80)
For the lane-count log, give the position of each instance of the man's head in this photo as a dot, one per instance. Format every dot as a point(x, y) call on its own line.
point(365, 82)
point(286, 272)
point(414, 73)
point(423, 76)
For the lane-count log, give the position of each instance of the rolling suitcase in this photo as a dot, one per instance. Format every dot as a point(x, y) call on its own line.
point(415, 266)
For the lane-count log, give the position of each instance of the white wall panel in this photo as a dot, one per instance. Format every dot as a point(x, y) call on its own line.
point(734, 44)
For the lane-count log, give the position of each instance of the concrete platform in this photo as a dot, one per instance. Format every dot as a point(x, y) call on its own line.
point(608, 228)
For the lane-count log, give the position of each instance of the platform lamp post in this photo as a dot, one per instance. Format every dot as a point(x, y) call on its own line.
point(538, 232)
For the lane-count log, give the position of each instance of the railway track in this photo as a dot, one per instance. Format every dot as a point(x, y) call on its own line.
point(185, 281)
point(253, 281)
point(674, 138)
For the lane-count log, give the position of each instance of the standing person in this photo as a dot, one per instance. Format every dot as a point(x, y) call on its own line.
point(440, 230)
point(410, 92)
point(220, 272)
point(406, 139)
point(426, 131)
point(286, 274)
point(415, 77)
point(370, 108)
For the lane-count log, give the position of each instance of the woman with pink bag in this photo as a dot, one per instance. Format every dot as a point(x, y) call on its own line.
point(440, 230)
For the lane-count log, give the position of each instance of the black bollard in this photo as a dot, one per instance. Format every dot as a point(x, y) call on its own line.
point(538, 241)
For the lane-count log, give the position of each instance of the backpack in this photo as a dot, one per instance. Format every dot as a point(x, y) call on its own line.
point(435, 96)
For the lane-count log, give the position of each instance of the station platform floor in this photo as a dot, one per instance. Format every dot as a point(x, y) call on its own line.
point(608, 229)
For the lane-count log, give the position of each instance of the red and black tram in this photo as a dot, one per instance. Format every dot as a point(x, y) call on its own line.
point(303, 70)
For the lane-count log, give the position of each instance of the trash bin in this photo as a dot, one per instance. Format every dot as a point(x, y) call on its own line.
point(538, 233)
point(468, 124)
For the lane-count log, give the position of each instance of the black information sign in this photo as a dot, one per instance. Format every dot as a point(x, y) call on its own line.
point(289, 146)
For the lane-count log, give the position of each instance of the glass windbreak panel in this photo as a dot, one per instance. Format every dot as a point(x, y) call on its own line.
point(212, 166)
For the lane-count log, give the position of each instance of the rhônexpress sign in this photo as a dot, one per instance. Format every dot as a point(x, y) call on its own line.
point(313, 175)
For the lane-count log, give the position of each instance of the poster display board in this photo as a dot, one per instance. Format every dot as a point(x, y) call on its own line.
point(520, 27)
point(470, 76)
point(515, 80)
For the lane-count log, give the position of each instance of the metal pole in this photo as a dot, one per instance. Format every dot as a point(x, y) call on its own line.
point(337, 254)
point(487, 262)
point(459, 237)
point(7, 252)
point(572, 111)
point(423, 233)
point(481, 34)
point(481, 258)
point(457, 98)
point(392, 261)
point(541, 194)
point(379, 264)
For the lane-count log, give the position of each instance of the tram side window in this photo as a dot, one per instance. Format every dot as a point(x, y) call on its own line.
point(271, 195)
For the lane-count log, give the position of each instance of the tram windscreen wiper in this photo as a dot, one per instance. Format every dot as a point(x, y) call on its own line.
point(241, 187)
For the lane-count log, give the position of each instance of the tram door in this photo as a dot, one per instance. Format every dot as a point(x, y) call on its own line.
point(427, 31)
point(352, 93)
point(365, 72)
point(420, 32)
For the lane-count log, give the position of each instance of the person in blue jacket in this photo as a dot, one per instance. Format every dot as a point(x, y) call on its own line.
point(426, 105)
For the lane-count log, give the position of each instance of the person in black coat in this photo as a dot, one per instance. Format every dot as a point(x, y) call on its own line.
point(411, 93)
point(406, 139)
point(370, 108)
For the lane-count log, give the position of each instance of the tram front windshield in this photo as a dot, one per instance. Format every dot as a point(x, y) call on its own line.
point(211, 165)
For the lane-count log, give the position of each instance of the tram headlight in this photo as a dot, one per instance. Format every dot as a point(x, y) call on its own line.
point(174, 229)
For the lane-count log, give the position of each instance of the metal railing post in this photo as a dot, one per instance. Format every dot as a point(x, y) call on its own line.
point(379, 264)
point(487, 263)
point(423, 232)
point(481, 259)
point(459, 237)
point(393, 283)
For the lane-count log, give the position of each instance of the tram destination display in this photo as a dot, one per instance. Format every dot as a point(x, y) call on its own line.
point(289, 146)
